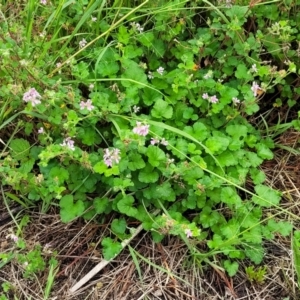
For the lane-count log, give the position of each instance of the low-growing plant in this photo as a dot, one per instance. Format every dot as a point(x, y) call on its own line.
point(110, 109)
point(256, 274)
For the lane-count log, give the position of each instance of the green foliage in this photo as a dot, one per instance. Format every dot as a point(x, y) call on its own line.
point(257, 275)
point(148, 112)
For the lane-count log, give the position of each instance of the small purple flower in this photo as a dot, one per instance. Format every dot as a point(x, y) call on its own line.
point(141, 129)
point(255, 87)
point(32, 96)
point(188, 233)
point(69, 143)
point(213, 99)
point(41, 130)
point(82, 43)
point(88, 105)
point(205, 96)
point(154, 141)
point(111, 156)
point(160, 70)
point(164, 142)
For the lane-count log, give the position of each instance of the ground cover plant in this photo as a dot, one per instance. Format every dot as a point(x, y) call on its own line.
point(126, 108)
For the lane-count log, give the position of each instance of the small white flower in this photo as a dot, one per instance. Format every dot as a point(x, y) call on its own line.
point(236, 101)
point(254, 68)
point(91, 87)
point(160, 70)
point(44, 2)
point(82, 43)
point(208, 75)
point(150, 75)
point(164, 142)
point(41, 130)
point(136, 109)
point(94, 19)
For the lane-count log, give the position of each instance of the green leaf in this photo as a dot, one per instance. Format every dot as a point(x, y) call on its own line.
point(70, 210)
point(155, 155)
point(231, 229)
point(230, 196)
point(147, 175)
point(101, 168)
point(264, 152)
point(162, 109)
point(107, 65)
point(266, 196)
point(242, 72)
point(136, 162)
point(257, 176)
point(237, 131)
point(135, 73)
point(231, 267)
point(296, 253)
point(26, 166)
point(110, 248)
point(19, 148)
point(165, 192)
point(125, 206)
point(59, 175)
point(255, 252)
point(100, 204)
point(217, 144)
point(118, 226)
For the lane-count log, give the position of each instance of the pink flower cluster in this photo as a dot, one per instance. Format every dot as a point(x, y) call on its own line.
point(32, 96)
point(69, 143)
point(111, 156)
point(141, 129)
point(88, 105)
point(212, 99)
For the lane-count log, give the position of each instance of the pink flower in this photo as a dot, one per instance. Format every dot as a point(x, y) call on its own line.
point(154, 141)
point(141, 129)
point(213, 99)
point(205, 96)
point(32, 96)
point(111, 156)
point(44, 2)
point(255, 87)
point(69, 143)
point(88, 105)
point(188, 233)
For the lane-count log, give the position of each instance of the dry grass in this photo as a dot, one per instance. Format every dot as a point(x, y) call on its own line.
point(172, 273)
